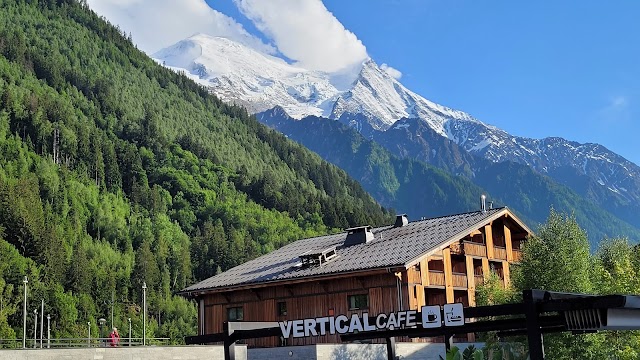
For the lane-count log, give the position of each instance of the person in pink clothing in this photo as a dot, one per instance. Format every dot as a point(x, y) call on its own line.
point(115, 337)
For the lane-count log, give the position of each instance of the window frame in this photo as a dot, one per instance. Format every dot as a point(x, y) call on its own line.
point(355, 297)
point(234, 309)
point(280, 306)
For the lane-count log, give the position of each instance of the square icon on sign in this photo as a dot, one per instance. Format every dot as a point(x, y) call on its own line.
point(454, 314)
point(431, 317)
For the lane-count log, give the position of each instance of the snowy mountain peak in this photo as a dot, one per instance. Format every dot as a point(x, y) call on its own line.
point(239, 74)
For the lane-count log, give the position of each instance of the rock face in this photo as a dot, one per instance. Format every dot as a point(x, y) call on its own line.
point(381, 108)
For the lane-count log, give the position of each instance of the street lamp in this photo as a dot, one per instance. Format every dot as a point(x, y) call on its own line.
point(41, 323)
point(35, 328)
point(129, 331)
point(101, 322)
point(24, 327)
point(48, 331)
point(144, 313)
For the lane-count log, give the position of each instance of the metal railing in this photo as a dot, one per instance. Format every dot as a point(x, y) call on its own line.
point(79, 342)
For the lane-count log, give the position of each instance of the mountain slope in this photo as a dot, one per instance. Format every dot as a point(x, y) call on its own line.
point(418, 189)
point(375, 101)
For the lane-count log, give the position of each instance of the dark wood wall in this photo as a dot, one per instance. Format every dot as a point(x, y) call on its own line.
point(304, 300)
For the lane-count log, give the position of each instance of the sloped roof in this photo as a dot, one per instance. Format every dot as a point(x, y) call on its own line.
point(391, 247)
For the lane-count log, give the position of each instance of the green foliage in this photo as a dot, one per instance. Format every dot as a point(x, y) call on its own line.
point(557, 258)
point(492, 352)
point(115, 171)
point(493, 291)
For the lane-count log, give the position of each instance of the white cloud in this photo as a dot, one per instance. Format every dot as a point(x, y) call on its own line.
point(394, 73)
point(306, 32)
point(155, 24)
point(617, 110)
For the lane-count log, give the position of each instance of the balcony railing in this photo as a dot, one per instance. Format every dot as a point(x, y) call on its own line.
point(500, 253)
point(474, 249)
point(517, 255)
point(459, 280)
point(479, 279)
point(436, 278)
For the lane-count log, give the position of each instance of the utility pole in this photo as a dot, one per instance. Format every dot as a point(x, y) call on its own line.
point(35, 328)
point(129, 331)
point(24, 313)
point(41, 323)
point(89, 338)
point(144, 313)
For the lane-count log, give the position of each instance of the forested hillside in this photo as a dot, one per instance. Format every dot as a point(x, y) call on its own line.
point(115, 171)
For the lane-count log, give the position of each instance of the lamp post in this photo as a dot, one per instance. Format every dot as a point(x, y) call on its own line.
point(101, 322)
point(24, 326)
point(144, 313)
point(35, 328)
point(48, 331)
point(129, 331)
point(41, 323)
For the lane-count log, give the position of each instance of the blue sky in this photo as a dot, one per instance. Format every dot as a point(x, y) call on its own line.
point(534, 69)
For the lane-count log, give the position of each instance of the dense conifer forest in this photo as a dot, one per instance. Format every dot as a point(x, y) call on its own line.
point(115, 171)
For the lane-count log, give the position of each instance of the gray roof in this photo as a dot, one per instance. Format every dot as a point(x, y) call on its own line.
point(391, 247)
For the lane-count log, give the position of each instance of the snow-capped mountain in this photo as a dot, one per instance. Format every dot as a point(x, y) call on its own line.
point(239, 74)
point(375, 102)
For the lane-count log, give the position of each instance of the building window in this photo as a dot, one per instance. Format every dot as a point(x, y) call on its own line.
point(235, 314)
point(282, 308)
point(357, 302)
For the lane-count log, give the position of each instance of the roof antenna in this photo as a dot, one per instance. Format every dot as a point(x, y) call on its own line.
point(483, 203)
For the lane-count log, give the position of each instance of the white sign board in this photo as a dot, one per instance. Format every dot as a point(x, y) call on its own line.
point(454, 314)
point(431, 317)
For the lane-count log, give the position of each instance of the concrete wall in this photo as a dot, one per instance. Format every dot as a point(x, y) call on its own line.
point(124, 353)
point(405, 351)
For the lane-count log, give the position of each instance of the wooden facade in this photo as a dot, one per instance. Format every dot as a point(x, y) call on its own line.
point(447, 274)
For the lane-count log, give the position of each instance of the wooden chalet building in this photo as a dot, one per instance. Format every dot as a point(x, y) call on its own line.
point(399, 267)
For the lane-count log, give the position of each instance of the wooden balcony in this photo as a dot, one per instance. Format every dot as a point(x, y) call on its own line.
point(500, 253)
point(479, 279)
point(517, 255)
point(459, 280)
point(436, 278)
point(474, 249)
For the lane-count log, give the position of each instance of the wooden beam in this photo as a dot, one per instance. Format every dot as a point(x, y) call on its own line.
point(226, 297)
point(448, 274)
point(256, 293)
point(471, 282)
point(485, 268)
point(505, 271)
point(424, 272)
point(475, 232)
point(508, 244)
point(488, 239)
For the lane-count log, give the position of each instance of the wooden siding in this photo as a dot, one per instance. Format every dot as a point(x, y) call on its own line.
point(500, 253)
point(436, 278)
point(459, 280)
point(517, 255)
point(474, 249)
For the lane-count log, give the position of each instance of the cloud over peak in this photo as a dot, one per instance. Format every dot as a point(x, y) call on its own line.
point(156, 24)
point(305, 32)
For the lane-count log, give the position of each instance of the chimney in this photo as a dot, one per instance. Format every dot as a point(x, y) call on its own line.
point(358, 235)
point(401, 220)
point(483, 203)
